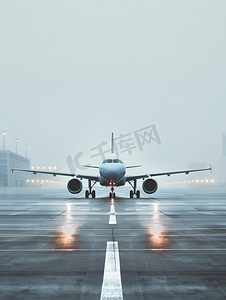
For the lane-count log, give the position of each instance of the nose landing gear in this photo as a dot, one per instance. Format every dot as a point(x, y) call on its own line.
point(112, 193)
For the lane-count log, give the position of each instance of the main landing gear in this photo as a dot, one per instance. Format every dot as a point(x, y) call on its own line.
point(134, 191)
point(90, 192)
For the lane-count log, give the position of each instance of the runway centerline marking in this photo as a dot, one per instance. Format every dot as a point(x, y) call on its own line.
point(112, 218)
point(112, 285)
point(112, 210)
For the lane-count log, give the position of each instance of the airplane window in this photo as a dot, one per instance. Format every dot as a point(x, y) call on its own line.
point(115, 161)
point(109, 161)
point(120, 161)
point(104, 161)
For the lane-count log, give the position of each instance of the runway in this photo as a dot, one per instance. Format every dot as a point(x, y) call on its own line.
point(54, 245)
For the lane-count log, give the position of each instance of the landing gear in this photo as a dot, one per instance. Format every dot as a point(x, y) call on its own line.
point(90, 192)
point(134, 191)
point(112, 193)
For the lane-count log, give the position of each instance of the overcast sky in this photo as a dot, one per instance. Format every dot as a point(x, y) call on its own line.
point(72, 72)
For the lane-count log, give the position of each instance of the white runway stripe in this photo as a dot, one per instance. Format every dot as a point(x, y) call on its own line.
point(112, 211)
point(112, 286)
point(112, 218)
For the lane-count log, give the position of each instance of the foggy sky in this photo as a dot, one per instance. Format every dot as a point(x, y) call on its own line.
point(72, 72)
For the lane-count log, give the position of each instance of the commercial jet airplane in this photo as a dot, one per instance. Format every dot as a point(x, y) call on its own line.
point(112, 173)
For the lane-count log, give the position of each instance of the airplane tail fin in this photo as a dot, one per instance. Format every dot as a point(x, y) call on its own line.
point(112, 143)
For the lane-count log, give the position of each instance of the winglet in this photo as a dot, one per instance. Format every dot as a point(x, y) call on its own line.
point(112, 143)
point(211, 169)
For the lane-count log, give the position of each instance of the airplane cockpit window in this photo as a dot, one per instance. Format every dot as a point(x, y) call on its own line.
point(108, 161)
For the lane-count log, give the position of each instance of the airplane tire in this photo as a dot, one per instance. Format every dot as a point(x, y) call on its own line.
point(87, 194)
point(93, 194)
point(138, 194)
point(114, 195)
point(131, 194)
point(110, 195)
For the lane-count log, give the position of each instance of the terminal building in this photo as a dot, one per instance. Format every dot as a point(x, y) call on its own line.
point(8, 161)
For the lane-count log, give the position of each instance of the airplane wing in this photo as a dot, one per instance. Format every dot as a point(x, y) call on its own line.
point(60, 174)
point(166, 173)
point(129, 178)
point(95, 178)
point(133, 166)
point(91, 166)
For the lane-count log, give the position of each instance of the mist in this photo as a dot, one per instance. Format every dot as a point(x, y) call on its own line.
point(72, 72)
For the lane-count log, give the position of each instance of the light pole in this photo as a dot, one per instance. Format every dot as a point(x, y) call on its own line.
point(16, 140)
point(3, 133)
point(26, 149)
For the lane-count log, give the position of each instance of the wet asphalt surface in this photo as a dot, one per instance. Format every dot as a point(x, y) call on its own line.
point(171, 246)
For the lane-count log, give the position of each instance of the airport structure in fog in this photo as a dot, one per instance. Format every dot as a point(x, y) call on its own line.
point(9, 160)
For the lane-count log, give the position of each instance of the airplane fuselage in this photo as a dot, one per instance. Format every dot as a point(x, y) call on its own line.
point(112, 172)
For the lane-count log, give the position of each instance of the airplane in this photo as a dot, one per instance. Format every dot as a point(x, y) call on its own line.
point(112, 173)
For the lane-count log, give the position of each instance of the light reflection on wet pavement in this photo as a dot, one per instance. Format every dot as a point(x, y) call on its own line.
point(157, 233)
point(67, 237)
point(191, 226)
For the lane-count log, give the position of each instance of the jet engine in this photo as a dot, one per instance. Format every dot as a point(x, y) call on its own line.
point(150, 186)
point(74, 186)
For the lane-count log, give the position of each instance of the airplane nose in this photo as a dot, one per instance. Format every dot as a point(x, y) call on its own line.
point(112, 174)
